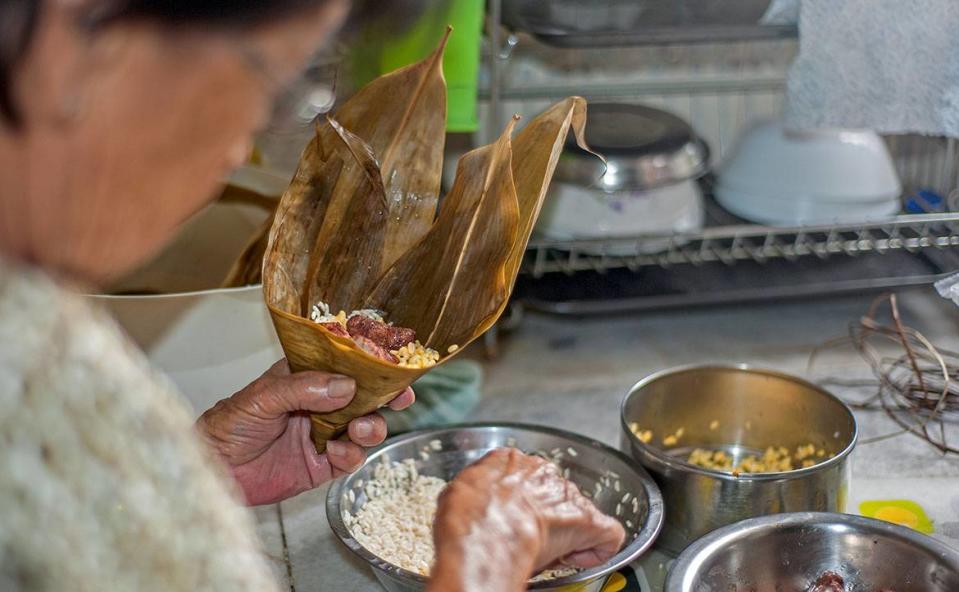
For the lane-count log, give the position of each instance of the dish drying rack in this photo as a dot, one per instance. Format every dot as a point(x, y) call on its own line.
point(756, 243)
point(729, 255)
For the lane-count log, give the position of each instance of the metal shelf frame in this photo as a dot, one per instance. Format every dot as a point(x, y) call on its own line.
point(727, 245)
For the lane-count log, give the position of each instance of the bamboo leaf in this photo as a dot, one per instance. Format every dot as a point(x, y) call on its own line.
point(343, 272)
point(453, 280)
point(297, 222)
point(246, 270)
point(536, 150)
point(401, 116)
point(356, 229)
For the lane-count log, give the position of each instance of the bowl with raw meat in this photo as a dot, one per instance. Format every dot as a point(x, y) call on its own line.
point(815, 552)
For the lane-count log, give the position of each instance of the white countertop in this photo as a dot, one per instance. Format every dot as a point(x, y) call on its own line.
point(572, 374)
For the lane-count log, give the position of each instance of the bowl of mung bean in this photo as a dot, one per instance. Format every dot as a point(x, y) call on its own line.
point(384, 511)
point(726, 443)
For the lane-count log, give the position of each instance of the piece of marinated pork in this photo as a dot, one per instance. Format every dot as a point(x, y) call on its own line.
point(386, 336)
point(374, 349)
point(335, 328)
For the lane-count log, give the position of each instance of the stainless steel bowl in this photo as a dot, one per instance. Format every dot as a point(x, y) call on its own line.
point(789, 552)
point(644, 148)
point(464, 444)
point(754, 409)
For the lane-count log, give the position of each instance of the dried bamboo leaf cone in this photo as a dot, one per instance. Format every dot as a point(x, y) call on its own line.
point(358, 228)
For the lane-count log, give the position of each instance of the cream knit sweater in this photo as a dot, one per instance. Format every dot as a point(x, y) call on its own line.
point(103, 485)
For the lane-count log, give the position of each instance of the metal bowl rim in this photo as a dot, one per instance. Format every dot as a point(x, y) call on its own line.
point(675, 463)
point(716, 540)
point(645, 538)
point(689, 163)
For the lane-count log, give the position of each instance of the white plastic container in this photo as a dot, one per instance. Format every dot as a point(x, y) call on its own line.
point(210, 341)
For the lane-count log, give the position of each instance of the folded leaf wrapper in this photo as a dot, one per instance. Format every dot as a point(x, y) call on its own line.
point(358, 228)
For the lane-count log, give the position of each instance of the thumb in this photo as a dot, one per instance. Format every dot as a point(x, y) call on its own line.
point(276, 394)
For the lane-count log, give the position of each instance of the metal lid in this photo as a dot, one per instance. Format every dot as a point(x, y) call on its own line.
point(644, 148)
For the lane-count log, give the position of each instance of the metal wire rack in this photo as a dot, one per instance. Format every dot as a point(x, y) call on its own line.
point(732, 244)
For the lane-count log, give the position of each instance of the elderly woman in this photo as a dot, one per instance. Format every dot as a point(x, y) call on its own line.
point(118, 118)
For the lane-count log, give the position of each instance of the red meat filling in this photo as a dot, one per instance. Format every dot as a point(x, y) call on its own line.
point(374, 349)
point(386, 336)
point(335, 328)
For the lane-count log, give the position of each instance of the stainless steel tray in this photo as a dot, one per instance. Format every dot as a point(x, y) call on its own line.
point(621, 291)
point(738, 264)
point(608, 23)
point(663, 35)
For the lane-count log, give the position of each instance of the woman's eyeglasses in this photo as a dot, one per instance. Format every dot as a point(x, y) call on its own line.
point(311, 94)
point(296, 106)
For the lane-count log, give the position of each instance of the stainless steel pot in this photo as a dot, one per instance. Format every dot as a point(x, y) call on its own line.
point(740, 410)
point(644, 148)
point(791, 551)
point(452, 449)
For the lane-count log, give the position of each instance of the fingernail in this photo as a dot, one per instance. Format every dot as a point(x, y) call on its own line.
point(342, 387)
point(363, 427)
point(334, 448)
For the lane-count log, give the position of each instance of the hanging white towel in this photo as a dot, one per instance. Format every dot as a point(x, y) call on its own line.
point(887, 65)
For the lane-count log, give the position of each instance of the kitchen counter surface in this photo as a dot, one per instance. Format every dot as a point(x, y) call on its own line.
point(572, 374)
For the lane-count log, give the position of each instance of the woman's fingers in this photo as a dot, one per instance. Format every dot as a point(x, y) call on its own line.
point(583, 541)
point(319, 392)
point(279, 392)
point(344, 457)
point(586, 559)
point(314, 391)
point(367, 431)
point(403, 400)
point(605, 536)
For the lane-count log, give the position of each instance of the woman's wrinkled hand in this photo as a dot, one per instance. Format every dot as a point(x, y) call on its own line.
point(262, 433)
point(510, 515)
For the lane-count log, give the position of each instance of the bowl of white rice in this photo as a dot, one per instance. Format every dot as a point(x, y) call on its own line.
point(384, 511)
